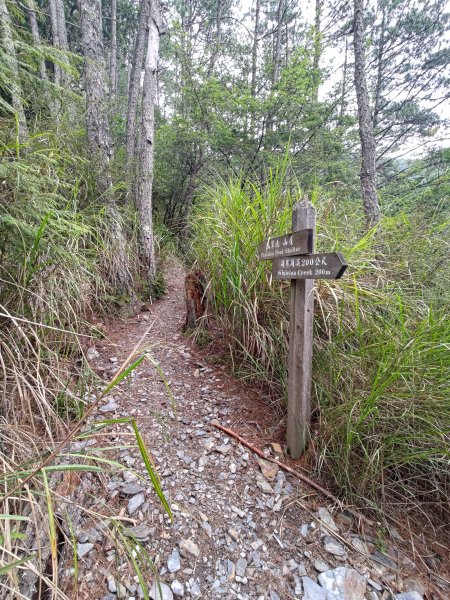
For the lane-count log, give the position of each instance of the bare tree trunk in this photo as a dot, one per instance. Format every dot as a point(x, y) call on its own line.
point(98, 132)
point(255, 48)
point(255, 63)
point(62, 29)
point(218, 38)
point(59, 35)
point(368, 169)
point(135, 84)
point(55, 39)
point(344, 82)
point(35, 35)
point(145, 178)
point(113, 56)
point(10, 52)
point(277, 43)
point(380, 69)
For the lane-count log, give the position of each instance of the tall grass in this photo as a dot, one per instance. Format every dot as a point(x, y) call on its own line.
point(54, 262)
point(381, 334)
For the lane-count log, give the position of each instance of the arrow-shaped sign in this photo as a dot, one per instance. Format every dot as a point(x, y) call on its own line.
point(299, 242)
point(310, 266)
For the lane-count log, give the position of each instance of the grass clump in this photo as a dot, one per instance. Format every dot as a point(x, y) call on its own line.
point(54, 276)
point(381, 415)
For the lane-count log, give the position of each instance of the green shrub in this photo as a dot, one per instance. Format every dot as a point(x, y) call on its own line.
point(381, 334)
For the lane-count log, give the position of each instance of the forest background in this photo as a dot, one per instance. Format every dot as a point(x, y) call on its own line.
point(193, 128)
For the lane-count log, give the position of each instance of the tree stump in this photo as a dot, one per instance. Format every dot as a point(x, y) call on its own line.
point(195, 287)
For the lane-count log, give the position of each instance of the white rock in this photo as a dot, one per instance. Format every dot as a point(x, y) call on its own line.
point(333, 546)
point(83, 549)
point(173, 562)
point(409, 596)
point(177, 588)
point(92, 353)
point(189, 547)
point(163, 592)
point(345, 583)
point(312, 591)
point(327, 519)
point(135, 502)
point(241, 566)
point(112, 587)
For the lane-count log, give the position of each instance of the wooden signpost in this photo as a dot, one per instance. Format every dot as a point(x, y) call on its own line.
point(293, 258)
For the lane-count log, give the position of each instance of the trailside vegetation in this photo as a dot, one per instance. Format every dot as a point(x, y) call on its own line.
point(129, 126)
point(381, 416)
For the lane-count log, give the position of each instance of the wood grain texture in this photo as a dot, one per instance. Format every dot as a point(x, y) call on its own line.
point(300, 345)
point(327, 265)
point(298, 242)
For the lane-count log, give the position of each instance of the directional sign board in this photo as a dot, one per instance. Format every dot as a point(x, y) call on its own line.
point(292, 258)
point(299, 242)
point(311, 266)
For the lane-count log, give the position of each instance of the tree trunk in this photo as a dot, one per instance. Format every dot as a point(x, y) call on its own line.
point(277, 43)
point(145, 178)
point(62, 29)
point(255, 64)
point(35, 35)
point(368, 169)
point(11, 57)
point(380, 69)
point(55, 39)
point(135, 85)
point(98, 133)
point(255, 58)
point(113, 56)
point(344, 83)
point(218, 38)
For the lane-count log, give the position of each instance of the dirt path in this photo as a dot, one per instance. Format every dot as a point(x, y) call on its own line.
point(240, 531)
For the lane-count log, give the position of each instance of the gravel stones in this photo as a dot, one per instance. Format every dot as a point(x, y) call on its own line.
point(333, 546)
point(268, 469)
point(264, 486)
point(195, 590)
point(177, 588)
point(188, 546)
point(111, 582)
point(321, 566)
point(241, 566)
point(92, 353)
point(326, 518)
point(161, 592)
point(130, 489)
point(84, 549)
point(313, 591)
point(344, 583)
point(141, 532)
point(223, 449)
point(383, 559)
point(227, 541)
point(135, 502)
point(409, 596)
point(111, 406)
point(174, 562)
point(231, 570)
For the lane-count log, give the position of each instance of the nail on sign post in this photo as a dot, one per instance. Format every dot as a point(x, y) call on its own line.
point(293, 258)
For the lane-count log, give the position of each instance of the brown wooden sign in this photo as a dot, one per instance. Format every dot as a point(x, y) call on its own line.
point(329, 265)
point(298, 242)
point(293, 259)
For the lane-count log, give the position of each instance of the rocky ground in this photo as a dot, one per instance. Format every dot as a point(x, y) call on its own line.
point(243, 528)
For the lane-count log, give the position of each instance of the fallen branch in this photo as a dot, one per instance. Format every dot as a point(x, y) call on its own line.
point(303, 478)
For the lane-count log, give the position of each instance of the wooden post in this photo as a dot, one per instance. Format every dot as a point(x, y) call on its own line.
point(300, 345)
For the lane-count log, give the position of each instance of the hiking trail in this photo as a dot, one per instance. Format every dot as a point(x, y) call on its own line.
point(243, 528)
